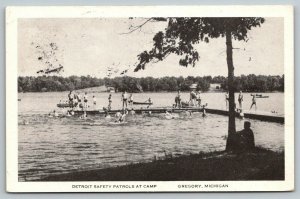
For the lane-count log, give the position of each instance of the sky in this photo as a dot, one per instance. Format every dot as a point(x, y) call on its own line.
point(90, 46)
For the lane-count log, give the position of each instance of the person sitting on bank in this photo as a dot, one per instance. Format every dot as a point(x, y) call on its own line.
point(246, 135)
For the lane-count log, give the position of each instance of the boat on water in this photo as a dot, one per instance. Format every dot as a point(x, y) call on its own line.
point(187, 105)
point(66, 105)
point(63, 105)
point(142, 103)
point(260, 96)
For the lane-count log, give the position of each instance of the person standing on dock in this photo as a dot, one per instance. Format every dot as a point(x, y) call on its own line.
point(94, 101)
point(192, 97)
point(79, 98)
point(198, 99)
point(124, 99)
point(70, 96)
point(109, 102)
point(130, 101)
point(150, 102)
point(253, 101)
point(75, 101)
point(241, 99)
point(226, 99)
point(178, 100)
point(85, 100)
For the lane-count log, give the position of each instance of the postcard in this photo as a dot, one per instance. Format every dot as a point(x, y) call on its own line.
point(149, 98)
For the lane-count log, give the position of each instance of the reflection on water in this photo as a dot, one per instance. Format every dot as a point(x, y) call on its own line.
point(56, 145)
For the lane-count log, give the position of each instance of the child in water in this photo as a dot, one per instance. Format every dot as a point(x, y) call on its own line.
point(132, 112)
point(84, 116)
point(107, 116)
point(121, 117)
point(53, 114)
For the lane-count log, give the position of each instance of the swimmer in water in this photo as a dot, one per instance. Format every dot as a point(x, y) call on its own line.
point(107, 116)
point(118, 114)
point(121, 117)
point(171, 115)
point(147, 113)
point(132, 112)
point(25, 122)
point(167, 113)
point(68, 114)
point(84, 116)
point(203, 110)
point(241, 114)
point(188, 113)
point(204, 113)
point(55, 113)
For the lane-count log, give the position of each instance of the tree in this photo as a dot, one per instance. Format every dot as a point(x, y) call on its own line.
point(180, 36)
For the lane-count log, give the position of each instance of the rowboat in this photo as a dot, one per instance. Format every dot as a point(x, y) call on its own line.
point(66, 105)
point(142, 103)
point(260, 96)
point(63, 105)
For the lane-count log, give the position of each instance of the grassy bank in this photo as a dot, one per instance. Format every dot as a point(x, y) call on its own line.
point(261, 164)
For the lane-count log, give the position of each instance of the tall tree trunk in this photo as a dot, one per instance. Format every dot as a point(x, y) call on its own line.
point(230, 145)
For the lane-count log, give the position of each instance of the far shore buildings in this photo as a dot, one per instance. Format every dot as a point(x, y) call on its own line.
point(215, 88)
point(212, 88)
point(110, 89)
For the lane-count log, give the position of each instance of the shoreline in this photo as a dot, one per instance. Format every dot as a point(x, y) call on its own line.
point(224, 91)
point(261, 164)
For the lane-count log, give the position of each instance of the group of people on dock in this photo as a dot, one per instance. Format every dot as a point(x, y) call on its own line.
point(79, 101)
point(76, 100)
point(127, 99)
point(195, 99)
point(240, 101)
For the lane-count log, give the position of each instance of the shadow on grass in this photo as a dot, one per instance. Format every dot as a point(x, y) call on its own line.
point(260, 164)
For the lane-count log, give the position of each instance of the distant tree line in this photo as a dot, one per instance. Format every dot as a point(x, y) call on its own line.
point(256, 83)
point(249, 83)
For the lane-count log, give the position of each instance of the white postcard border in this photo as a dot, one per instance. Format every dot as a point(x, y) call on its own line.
point(15, 13)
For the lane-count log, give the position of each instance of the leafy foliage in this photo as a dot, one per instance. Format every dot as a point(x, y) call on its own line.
point(182, 33)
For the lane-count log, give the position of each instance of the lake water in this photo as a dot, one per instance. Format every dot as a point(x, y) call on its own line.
point(57, 145)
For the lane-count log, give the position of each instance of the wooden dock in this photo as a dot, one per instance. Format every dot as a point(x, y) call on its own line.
point(262, 117)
